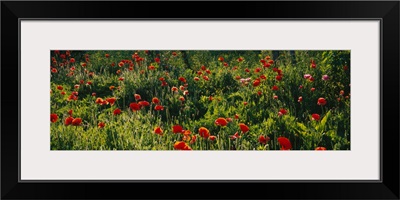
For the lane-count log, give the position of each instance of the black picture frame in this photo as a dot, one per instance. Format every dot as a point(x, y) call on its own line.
point(386, 11)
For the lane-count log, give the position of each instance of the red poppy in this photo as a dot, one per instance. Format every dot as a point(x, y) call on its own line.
point(204, 132)
point(144, 103)
point(177, 129)
point(320, 149)
point(134, 106)
point(244, 127)
point(137, 96)
point(263, 140)
point(313, 65)
point(53, 117)
point(181, 146)
point(76, 122)
point(235, 136)
point(278, 78)
point(182, 79)
point(101, 124)
point(117, 111)
point(54, 70)
point(70, 112)
point(221, 122)
point(157, 60)
point(72, 60)
point(158, 107)
point(111, 100)
point(212, 138)
point(68, 121)
point(321, 101)
point(285, 143)
point(266, 65)
point(155, 100)
point(300, 99)
point(275, 88)
point(315, 117)
point(256, 83)
point(158, 131)
point(283, 111)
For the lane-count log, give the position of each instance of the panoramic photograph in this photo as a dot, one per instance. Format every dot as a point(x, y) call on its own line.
point(235, 100)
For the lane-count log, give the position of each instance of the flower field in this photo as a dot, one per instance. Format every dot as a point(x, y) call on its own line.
point(199, 100)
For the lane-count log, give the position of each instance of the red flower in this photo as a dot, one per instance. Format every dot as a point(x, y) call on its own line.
point(117, 111)
point(320, 149)
point(112, 87)
point(313, 65)
point(174, 53)
point(321, 101)
point(205, 78)
point(159, 107)
point(181, 146)
point(275, 97)
point(196, 78)
point(204, 132)
point(177, 129)
point(278, 78)
point(259, 93)
point(212, 138)
point(262, 61)
point(203, 68)
point(54, 70)
point(158, 131)
point(76, 122)
point(208, 71)
point(107, 55)
point(144, 103)
point(271, 62)
point(283, 111)
point(134, 106)
point(267, 65)
point(155, 100)
point(157, 60)
point(60, 87)
point(72, 60)
point(221, 59)
point(263, 77)
point(300, 99)
point(111, 100)
point(247, 70)
point(221, 122)
point(256, 83)
point(101, 124)
point(244, 127)
point(236, 116)
point(121, 78)
point(315, 117)
point(70, 112)
point(68, 121)
point(137, 97)
point(240, 59)
point(151, 67)
point(245, 103)
point(89, 83)
point(263, 140)
point(275, 88)
point(312, 89)
point(235, 136)
point(53, 117)
point(257, 70)
point(345, 67)
point(225, 64)
point(285, 143)
point(267, 57)
point(62, 93)
point(181, 98)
